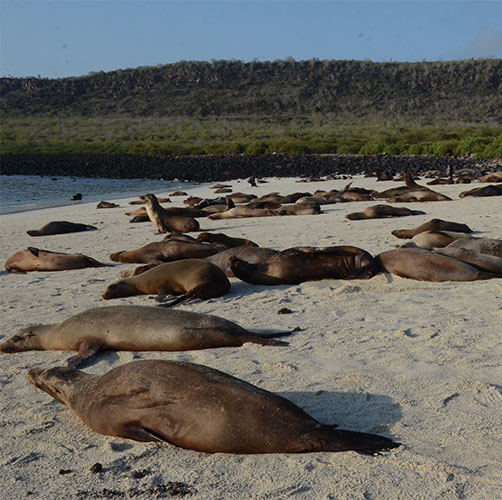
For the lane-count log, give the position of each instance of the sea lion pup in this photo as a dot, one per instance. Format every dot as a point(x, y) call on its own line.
point(491, 190)
point(167, 251)
point(430, 240)
point(482, 261)
point(432, 225)
point(107, 204)
point(60, 227)
point(488, 246)
point(223, 239)
point(135, 328)
point(35, 259)
point(163, 221)
point(422, 265)
point(382, 212)
point(195, 407)
point(188, 278)
point(252, 255)
point(299, 264)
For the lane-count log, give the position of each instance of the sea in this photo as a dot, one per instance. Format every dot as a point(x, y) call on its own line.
point(19, 193)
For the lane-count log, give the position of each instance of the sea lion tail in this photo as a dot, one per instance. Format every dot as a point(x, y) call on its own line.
point(186, 297)
point(362, 442)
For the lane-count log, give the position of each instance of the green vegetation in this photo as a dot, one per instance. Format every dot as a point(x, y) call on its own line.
point(229, 107)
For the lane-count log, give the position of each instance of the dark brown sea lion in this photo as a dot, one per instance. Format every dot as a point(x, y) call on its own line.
point(252, 255)
point(223, 239)
point(195, 407)
point(107, 204)
point(410, 192)
point(179, 193)
point(419, 264)
point(60, 227)
point(491, 190)
point(299, 264)
point(135, 328)
point(488, 246)
point(432, 225)
point(482, 261)
point(35, 259)
point(382, 212)
point(163, 221)
point(167, 251)
point(188, 278)
point(223, 190)
point(306, 209)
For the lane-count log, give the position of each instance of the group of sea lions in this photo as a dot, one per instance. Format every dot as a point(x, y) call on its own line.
point(201, 408)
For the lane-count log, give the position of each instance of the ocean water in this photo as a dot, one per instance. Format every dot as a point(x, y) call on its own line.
point(19, 193)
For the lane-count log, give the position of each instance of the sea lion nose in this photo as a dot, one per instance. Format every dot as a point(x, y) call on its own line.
point(34, 373)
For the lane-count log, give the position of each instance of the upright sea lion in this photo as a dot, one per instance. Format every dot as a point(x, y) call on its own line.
point(195, 407)
point(382, 212)
point(432, 225)
point(165, 222)
point(35, 259)
point(252, 255)
point(430, 240)
point(223, 239)
point(135, 328)
point(60, 227)
point(188, 278)
point(299, 264)
point(488, 246)
point(419, 264)
point(491, 190)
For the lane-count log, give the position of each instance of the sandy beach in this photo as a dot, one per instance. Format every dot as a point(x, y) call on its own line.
point(418, 362)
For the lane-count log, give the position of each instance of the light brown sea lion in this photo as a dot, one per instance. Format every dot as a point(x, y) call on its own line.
point(223, 190)
point(252, 255)
point(241, 212)
point(307, 209)
point(419, 264)
point(382, 212)
point(60, 227)
point(140, 202)
point(491, 190)
point(35, 259)
point(488, 246)
point(107, 204)
point(195, 407)
point(410, 192)
point(223, 239)
point(432, 225)
point(188, 278)
point(431, 240)
point(418, 196)
point(482, 261)
point(241, 197)
point(163, 221)
point(167, 251)
point(492, 177)
point(299, 264)
point(135, 328)
point(192, 200)
point(138, 211)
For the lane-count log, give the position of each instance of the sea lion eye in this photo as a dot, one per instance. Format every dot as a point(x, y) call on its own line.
point(17, 338)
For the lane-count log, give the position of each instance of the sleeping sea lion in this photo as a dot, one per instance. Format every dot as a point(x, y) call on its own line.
point(432, 225)
point(35, 259)
point(488, 246)
point(188, 278)
point(252, 255)
point(135, 328)
point(60, 227)
point(430, 240)
point(225, 240)
point(382, 212)
point(482, 261)
point(197, 408)
point(491, 190)
point(299, 264)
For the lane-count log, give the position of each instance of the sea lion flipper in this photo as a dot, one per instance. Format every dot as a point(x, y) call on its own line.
point(186, 297)
point(85, 351)
point(143, 434)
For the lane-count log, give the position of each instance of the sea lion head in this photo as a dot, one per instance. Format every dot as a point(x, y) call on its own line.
point(365, 266)
point(25, 339)
point(120, 288)
point(59, 382)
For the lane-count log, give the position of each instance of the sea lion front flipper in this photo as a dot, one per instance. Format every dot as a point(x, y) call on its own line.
point(143, 434)
point(186, 297)
point(85, 351)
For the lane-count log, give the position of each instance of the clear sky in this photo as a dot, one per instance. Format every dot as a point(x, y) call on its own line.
point(75, 37)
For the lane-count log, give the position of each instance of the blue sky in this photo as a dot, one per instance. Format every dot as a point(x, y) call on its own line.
point(72, 37)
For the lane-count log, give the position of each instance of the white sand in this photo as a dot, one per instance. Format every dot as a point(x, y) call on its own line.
point(419, 362)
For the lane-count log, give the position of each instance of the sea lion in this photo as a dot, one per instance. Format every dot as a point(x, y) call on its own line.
point(195, 407)
point(299, 264)
point(107, 204)
point(252, 255)
point(482, 261)
point(242, 211)
point(491, 177)
point(35, 259)
point(135, 328)
point(488, 246)
point(382, 212)
point(165, 222)
point(60, 227)
point(223, 239)
point(76, 197)
point(432, 225)
point(491, 190)
point(430, 240)
point(420, 264)
point(167, 251)
point(178, 193)
point(223, 190)
point(188, 278)
point(418, 196)
point(306, 209)
point(411, 191)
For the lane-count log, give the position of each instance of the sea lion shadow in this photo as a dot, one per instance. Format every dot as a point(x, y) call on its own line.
point(109, 357)
point(349, 410)
point(4, 273)
point(241, 289)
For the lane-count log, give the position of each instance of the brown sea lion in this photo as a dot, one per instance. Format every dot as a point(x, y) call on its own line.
point(218, 186)
point(188, 278)
point(482, 261)
point(491, 190)
point(223, 239)
point(252, 255)
point(60, 227)
point(306, 209)
point(488, 246)
point(223, 190)
point(410, 192)
point(107, 204)
point(419, 264)
point(167, 251)
point(242, 197)
point(35, 259)
point(299, 264)
point(432, 225)
point(382, 212)
point(430, 240)
point(163, 221)
point(135, 328)
point(179, 193)
point(138, 211)
point(195, 407)
point(492, 177)
point(277, 198)
point(418, 196)
point(241, 212)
